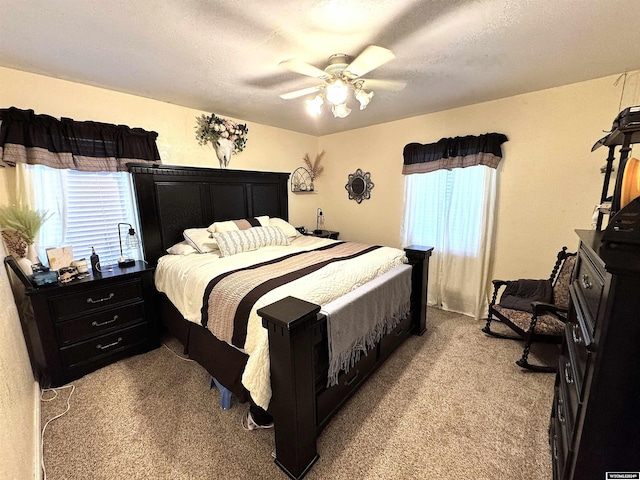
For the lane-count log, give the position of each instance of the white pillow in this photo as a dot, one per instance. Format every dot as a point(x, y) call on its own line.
point(200, 239)
point(288, 229)
point(242, 224)
point(181, 248)
point(236, 241)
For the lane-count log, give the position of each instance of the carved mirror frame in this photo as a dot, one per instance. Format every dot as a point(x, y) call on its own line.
point(359, 186)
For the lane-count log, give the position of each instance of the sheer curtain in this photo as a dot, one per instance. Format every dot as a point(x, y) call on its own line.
point(449, 203)
point(453, 211)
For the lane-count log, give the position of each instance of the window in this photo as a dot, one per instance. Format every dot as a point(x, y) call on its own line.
point(85, 209)
point(452, 210)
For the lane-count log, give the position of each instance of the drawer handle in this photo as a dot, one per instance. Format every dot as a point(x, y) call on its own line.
point(100, 324)
point(577, 338)
point(555, 447)
point(109, 345)
point(352, 379)
point(105, 299)
point(567, 373)
point(585, 281)
point(399, 332)
point(561, 416)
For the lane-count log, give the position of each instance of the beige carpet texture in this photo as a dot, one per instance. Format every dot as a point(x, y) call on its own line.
point(451, 404)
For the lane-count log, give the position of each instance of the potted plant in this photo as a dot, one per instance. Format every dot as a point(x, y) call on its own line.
point(20, 225)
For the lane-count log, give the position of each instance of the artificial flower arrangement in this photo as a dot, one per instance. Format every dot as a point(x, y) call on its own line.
point(209, 128)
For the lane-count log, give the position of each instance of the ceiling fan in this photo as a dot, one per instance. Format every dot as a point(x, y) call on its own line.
point(342, 76)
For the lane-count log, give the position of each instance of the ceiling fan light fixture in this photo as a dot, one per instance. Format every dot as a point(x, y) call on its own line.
point(341, 110)
point(314, 105)
point(363, 97)
point(341, 78)
point(337, 91)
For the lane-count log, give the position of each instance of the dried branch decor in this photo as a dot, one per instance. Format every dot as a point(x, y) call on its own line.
point(315, 169)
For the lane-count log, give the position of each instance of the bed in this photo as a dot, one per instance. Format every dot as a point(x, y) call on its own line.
point(173, 199)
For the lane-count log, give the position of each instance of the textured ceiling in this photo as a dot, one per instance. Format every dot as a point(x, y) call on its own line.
point(222, 56)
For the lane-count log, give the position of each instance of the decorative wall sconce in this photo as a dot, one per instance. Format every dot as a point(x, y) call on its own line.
point(359, 186)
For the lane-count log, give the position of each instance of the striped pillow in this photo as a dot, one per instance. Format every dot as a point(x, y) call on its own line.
point(242, 224)
point(236, 241)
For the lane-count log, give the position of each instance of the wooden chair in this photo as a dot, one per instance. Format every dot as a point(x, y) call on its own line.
point(541, 321)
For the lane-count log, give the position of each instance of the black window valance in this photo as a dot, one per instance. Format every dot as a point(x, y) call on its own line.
point(457, 152)
point(26, 137)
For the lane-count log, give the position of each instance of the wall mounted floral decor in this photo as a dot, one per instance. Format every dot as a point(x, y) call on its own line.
point(225, 136)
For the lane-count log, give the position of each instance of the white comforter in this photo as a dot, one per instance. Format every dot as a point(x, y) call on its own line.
point(184, 278)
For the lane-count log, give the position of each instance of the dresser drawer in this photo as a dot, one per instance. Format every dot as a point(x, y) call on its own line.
point(101, 297)
point(580, 344)
point(104, 345)
point(589, 285)
point(553, 445)
point(99, 323)
point(559, 450)
point(567, 407)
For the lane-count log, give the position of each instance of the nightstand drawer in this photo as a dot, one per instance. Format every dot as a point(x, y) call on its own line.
point(101, 297)
point(99, 323)
point(104, 345)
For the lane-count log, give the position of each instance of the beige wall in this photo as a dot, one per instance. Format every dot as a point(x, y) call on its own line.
point(549, 181)
point(19, 421)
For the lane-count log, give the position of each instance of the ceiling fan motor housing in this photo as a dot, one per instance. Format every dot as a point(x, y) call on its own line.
point(337, 63)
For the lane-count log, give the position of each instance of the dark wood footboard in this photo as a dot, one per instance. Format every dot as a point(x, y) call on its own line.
point(300, 408)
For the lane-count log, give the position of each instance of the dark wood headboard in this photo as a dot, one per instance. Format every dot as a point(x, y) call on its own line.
point(171, 199)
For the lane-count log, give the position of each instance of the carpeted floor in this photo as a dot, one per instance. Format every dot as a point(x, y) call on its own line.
point(451, 404)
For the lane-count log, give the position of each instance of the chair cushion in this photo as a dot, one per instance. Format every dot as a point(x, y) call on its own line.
point(547, 324)
point(561, 288)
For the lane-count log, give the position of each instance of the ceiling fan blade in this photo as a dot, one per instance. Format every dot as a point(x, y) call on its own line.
point(374, 84)
point(372, 57)
point(301, 93)
point(303, 68)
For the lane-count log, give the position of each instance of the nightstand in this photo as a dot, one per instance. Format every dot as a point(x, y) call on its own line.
point(86, 324)
point(324, 234)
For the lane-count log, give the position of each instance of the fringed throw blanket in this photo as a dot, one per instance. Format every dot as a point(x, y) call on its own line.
point(229, 298)
point(358, 320)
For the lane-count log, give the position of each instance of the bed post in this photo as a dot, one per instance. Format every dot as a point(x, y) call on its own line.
point(290, 324)
point(418, 256)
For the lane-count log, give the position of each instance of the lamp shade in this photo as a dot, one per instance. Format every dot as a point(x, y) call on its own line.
point(337, 92)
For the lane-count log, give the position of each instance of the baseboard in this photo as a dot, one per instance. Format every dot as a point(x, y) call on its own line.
point(37, 418)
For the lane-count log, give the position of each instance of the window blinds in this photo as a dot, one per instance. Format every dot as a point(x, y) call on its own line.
point(85, 209)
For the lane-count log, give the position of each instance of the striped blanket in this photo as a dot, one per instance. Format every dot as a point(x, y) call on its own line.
point(230, 297)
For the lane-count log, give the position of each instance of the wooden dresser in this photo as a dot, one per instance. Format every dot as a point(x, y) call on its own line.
point(86, 324)
point(595, 418)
